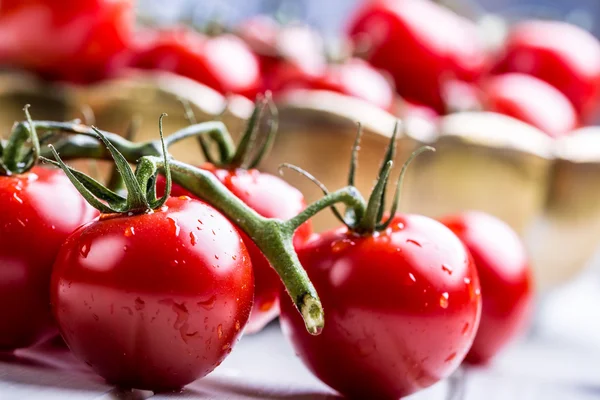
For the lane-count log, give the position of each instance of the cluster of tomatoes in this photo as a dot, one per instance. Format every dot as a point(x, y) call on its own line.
point(404, 56)
point(156, 297)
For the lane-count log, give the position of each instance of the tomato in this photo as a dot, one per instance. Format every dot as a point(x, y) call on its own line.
point(505, 277)
point(294, 46)
point(531, 100)
point(354, 78)
point(40, 209)
point(78, 42)
point(153, 301)
point(559, 53)
point(271, 197)
point(402, 308)
point(224, 63)
point(421, 45)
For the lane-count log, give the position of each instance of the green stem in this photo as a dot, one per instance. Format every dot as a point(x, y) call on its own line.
point(273, 237)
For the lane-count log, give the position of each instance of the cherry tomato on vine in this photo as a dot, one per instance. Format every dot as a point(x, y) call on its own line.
point(271, 197)
point(224, 63)
point(402, 308)
point(559, 53)
point(505, 277)
point(354, 78)
point(420, 44)
point(531, 100)
point(154, 300)
point(40, 208)
point(75, 41)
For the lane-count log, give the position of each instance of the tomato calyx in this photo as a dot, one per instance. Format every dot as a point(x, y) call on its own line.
point(141, 185)
point(362, 217)
point(14, 157)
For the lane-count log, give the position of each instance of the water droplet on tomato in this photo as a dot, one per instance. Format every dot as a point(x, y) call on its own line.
point(234, 258)
point(220, 331)
point(465, 328)
point(237, 325)
point(193, 239)
point(174, 225)
point(444, 300)
point(447, 269)
point(129, 310)
point(397, 227)
point(340, 245)
point(412, 241)
point(17, 198)
point(467, 281)
point(216, 257)
point(96, 317)
point(139, 304)
point(84, 250)
point(208, 304)
point(182, 314)
point(225, 346)
point(184, 198)
point(450, 357)
point(411, 279)
point(129, 231)
point(125, 248)
point(213, 232)
point(174, 263)
point(53, 227)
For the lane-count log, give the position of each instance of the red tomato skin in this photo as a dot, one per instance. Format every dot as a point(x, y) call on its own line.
point(505, 277)
point(531, 100)
point(419, 55)
point(354, 78)
point(401, 308)
point(78, 42)
point(153, 301)
point(224, 63)
point(271, 197)
point(559, 53)
point(39, 210)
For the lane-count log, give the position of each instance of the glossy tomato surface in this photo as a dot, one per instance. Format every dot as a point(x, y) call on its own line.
point(153, 301)
point(224, 63)
point(559, 53)
point(421, 45)
point(271, 197)
point(505, 277)
point(354, 78)
point(77, 41)
point(401, 308)
point(531, 100)
point(39, 210)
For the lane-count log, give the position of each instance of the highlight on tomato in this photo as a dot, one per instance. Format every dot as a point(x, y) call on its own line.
point(559, 53)
point(40, 208)
point(269, 195)
point(506, 280)
point(155, 293)
point(401, 294)
point(224, 63)
point(420, 44)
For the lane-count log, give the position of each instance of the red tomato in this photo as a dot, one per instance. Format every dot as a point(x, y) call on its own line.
point(420, 44)
point(354, 78)
point(531, 100)
point(224, 63)
point(505, 277)
point(402, 308)
point(39, 210)
point(75, 41)
point(271, 197)
point(295, 45)
point(559, 53)
point(157, 300)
